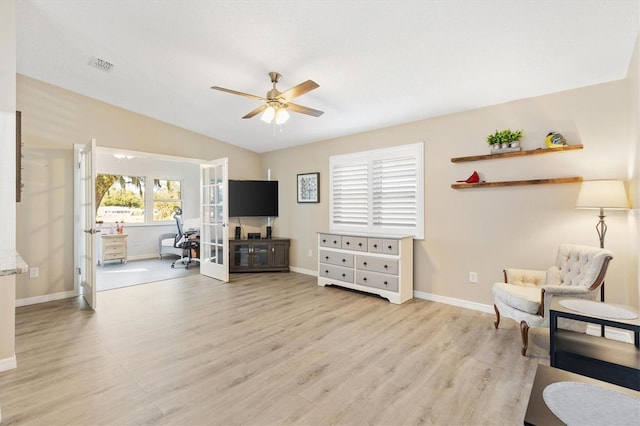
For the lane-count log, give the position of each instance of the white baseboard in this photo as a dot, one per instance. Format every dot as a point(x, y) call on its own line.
point(611, 333)
point(453, 301)
point(592, 329)
point(303, 271)
point(8, 364)
point(45, 298)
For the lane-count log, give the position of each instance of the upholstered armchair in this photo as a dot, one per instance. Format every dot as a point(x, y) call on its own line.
point(525, 295)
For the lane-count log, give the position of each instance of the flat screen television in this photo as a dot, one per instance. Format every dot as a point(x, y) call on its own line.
point(253, 198)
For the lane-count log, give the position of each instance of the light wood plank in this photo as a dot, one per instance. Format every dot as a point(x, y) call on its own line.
point(270, 348)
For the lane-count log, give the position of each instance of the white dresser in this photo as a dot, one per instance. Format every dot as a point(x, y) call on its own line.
point(113, 247)
point(376, 264)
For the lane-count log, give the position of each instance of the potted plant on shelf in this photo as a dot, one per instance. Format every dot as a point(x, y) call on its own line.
point(505, 140)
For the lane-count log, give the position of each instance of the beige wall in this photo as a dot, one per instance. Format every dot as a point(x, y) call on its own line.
point(485, 230)
point(634, 167)
point(482, 230)
point(53, 120)
point(7, 176)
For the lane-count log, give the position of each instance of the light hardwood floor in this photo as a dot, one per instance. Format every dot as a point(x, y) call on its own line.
point(264, 349)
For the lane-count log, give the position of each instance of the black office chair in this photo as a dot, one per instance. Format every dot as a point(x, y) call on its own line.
point(188, 241)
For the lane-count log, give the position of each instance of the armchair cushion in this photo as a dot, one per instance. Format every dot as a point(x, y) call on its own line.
point(522, 298)
point(525, 277)
point(580, 265)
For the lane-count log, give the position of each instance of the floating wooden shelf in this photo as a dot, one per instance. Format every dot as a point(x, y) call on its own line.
point(516, 182)
point(515, 154)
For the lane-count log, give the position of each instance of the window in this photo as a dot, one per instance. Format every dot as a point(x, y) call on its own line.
point(378, 191)
point(167, 199)
point(119, 198)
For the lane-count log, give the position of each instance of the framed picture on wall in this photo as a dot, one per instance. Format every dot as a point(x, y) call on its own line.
point(309, 188)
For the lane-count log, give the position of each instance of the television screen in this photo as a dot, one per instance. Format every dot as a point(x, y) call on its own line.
point(253, 198)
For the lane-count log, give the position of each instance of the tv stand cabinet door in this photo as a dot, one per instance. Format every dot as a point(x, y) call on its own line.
point(280, 254)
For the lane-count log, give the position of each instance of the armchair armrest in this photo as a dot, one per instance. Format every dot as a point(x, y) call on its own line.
point(525, 277)
point(568, 290)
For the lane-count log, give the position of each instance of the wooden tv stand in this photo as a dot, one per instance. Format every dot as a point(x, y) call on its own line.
point(259, 255)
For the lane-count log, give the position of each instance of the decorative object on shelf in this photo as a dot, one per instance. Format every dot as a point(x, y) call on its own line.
point(506, 140)
point(555, 140)
point(474, 178)
point(309, 188)
point(602, 194)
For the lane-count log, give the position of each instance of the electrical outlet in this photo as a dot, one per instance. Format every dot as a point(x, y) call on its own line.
point(34, 272)
point(473, 277)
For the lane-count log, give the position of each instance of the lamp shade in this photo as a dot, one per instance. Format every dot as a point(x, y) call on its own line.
point(602, 194)
point(268, 114)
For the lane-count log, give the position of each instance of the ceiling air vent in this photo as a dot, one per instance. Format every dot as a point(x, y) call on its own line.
point(101, 64)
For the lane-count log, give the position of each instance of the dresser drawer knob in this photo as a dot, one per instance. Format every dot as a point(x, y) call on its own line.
point(324, 241)
point(344, 260)
point(326, 257)
point(344, 275)
point(359, 244)
point(348, 243)
point(364, 263)
point(385, 283)
point(364, 279)
point(389, 247)
point(385, 266)
point(335, 242)
point(375, 246)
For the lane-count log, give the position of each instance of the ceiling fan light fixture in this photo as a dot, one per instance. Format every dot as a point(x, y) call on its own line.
point(268, 114)
point(282, 116)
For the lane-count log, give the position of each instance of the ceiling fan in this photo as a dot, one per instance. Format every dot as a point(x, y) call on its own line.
point(277, 103)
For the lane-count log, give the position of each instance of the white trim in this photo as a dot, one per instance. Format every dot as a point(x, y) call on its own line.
point(453, 301)
point(45, 298)
point(8, 363)
point(303, 271)
point(592, 329)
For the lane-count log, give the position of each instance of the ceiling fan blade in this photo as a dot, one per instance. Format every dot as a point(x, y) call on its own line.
point(304, 110)
point(256, 111)
point(298, 90)
point(235, 92)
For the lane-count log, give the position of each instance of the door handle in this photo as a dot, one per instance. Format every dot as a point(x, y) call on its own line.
point(91, 231)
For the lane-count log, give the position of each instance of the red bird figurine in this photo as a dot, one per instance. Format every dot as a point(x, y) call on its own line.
point(474, 178)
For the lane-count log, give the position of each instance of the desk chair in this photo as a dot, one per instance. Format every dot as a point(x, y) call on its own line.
point(188, 241)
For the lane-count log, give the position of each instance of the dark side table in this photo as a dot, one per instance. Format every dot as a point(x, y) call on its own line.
point(594, 356)
point(538, 414)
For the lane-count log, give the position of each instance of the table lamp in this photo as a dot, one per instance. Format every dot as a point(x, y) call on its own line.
point(602, 194)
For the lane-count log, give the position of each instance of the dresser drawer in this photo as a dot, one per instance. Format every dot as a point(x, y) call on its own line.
point(373, 279)
point(113, 256)
point(335, 258)
point(377, 264)
point(390, 247)
point(329, 240)
point(336, 272)
point(114, 245)
point(354, 243)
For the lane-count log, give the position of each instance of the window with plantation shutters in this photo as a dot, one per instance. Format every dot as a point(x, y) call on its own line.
point(378, 191)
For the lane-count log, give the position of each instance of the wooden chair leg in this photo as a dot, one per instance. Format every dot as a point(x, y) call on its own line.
point(497, 321)
point(524, 331)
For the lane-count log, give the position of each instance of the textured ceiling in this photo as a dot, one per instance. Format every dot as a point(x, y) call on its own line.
point(378, 62)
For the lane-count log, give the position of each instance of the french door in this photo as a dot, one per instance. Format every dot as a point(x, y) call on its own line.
point(85, 214)
point(214, 229)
